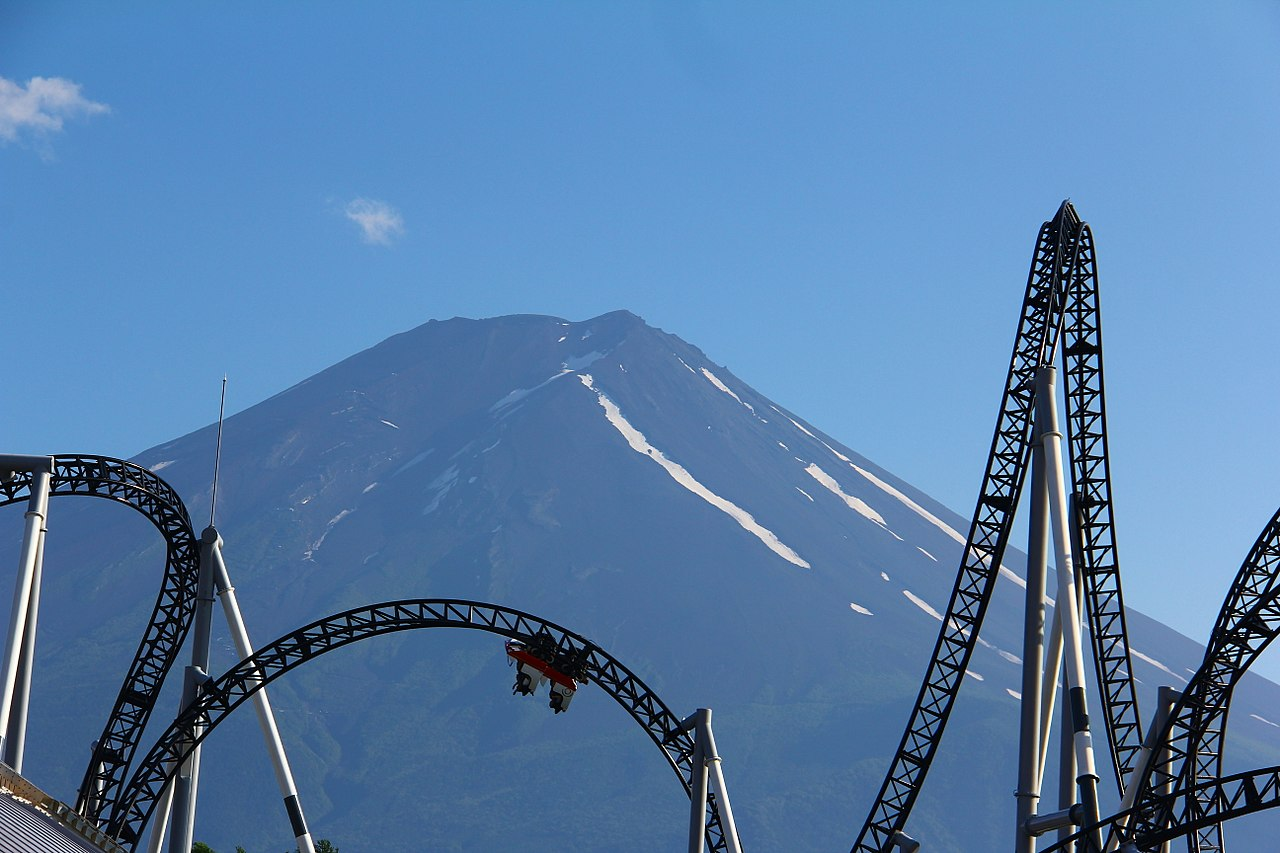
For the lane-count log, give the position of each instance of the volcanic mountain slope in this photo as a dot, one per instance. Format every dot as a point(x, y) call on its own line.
point(606, 476)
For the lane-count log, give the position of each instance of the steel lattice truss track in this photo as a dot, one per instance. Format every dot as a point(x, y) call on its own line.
point(1061, 291)
point(126, 483)
point(1091, 479)
point(220, 697)
point(1248, 622)
point(1186, 811)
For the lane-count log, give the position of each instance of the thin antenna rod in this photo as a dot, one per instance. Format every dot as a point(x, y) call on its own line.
point(217, 455)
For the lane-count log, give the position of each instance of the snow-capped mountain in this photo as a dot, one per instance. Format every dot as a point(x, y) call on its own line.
point(604, 475)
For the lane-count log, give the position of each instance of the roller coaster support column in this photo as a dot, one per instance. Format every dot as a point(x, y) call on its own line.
point(261, 704)
point(1051, 438)
point(1029, 770)
point(187, 782)
point(706, 763)
point(19, 651)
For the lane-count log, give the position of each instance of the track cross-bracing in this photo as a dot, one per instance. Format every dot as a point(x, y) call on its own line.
point(221, 696)
point(1061, 299)
point(134, 486)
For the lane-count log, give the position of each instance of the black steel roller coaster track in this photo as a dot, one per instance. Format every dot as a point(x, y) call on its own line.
point(1091, 482)
point(134, 486)
point(1061, 292)
point(220, 697)
point(1185, 811)
point(1193, 736)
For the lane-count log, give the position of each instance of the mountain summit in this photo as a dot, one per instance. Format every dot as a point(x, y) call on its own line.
point(609, 477)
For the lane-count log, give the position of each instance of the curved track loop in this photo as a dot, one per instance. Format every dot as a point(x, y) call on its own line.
point(1185, 811)
point(132, 485)
point(1099, 564)
point(1248, 622)
point(223, 695)
point(1038, 328)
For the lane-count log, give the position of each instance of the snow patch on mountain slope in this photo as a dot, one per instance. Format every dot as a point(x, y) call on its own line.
point(929, 517)
point(637, 442)
point(160, 466)
point(520, 393)
point(715, 380)
point(569, 365)
point(922, 604)
point(578, 362)
point(858, 608)
point(926, 553)
point(856, 504)
point(1140, 656)
point(315, 546)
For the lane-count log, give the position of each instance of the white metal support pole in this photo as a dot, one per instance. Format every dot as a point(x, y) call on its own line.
point(160, 823)
point(1051, 437)
point(1029, 773)
point(187, 782)
point(261, 704)
point(28, 573)
point(711, 758)
point(16, 738)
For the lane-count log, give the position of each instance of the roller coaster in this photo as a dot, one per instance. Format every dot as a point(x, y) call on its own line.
point(1171, 783)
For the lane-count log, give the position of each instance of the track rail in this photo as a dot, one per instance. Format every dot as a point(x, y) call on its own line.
point(1248, 622)
point(220, 697)
point(1061, 300)
point(1099, 564)
point(988, 537)
point(134, 486)
point(1185, 811)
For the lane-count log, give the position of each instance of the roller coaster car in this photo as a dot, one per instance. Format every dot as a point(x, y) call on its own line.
point(532, 671)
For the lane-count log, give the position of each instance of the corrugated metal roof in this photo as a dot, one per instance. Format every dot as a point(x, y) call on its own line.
point(31, 821)
point(26, 829)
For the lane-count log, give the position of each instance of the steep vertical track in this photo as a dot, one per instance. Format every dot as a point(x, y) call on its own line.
point(1061, 300)
point(134, 486)
point(223, 695)
point(1035, 343)
point(1100, 567)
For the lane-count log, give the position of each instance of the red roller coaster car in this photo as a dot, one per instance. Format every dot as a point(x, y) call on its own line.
point(532, 671)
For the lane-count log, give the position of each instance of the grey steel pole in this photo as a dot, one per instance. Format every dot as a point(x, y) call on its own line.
point(37, 511)
point(187, 782)
point(1051, 437)
point(1028, 791)
point(711, 758)
point(261, 704)
point(1151, 750)
point(160, 822)
point(698, 783)
point(17, 735)
point(1049, 687)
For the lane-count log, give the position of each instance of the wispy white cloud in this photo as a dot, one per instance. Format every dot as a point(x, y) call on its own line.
point(379, 222)
point(36, 110)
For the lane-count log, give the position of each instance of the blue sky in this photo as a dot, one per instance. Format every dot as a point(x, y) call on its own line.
point(837, 201)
